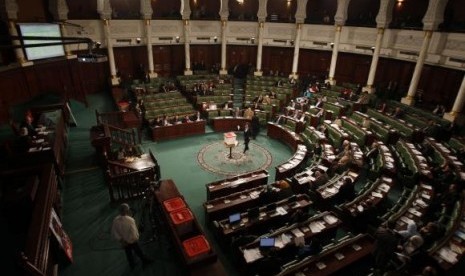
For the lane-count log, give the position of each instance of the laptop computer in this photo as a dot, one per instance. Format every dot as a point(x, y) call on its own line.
point(267, 242)
point(235, 218)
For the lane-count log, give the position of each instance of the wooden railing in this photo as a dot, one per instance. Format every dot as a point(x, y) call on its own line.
point(121, 136)
point(129, 185)
point(114, 118)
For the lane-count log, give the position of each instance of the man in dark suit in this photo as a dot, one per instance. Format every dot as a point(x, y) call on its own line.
point(247, 134)
point(255, 126)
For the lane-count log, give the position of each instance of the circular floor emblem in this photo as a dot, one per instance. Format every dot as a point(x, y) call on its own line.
point(215, 158)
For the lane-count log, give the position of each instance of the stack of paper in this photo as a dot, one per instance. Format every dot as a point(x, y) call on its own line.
point(252, 254)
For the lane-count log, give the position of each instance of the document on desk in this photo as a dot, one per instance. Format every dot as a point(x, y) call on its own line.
point(316, 227)
point(375, 194)
point(281, 211)
point(384, 187)
point(448, 255)
point(286, 238)
point(330, 219)
point(251, 255)
point(296, 232)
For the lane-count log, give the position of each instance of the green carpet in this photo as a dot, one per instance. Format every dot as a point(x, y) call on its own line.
point(87, 212)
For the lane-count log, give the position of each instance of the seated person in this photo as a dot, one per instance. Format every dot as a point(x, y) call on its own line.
point(285, 189)
point(398, 113)
point(347, 190)
point(430, 233)
point(186, 119)
point(321, 178)
point(23, 142)
point(29, 124)
point(313, 248)
point(409, 248)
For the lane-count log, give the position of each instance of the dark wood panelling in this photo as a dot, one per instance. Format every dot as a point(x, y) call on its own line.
point(352, 68)
point(277, 59)
point(236, 54)
point(314, 63)
point(66, 78)
point(131, 62)
point(208, 54)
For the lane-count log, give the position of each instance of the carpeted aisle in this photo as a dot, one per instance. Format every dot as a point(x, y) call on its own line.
point(87, 212)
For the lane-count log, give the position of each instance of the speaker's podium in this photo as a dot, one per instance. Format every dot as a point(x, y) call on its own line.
point(230, 142)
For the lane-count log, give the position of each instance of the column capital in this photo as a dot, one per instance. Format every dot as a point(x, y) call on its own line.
point(9, 10)
point(104, 9)
point(384, 17)
point(261, 13)
point(341, 13)
point(146, 9)
point(59, 9)
point(434, 14)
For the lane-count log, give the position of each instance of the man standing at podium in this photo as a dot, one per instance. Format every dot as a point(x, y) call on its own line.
point(247, 134)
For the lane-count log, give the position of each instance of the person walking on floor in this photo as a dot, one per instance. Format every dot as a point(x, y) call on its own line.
point(247, 134)
point(124, 230)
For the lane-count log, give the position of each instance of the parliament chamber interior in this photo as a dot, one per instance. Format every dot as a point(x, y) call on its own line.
point(237, 137)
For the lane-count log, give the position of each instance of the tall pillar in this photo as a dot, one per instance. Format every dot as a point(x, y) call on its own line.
point(295, 60)
point(148, 35)
point(433, 17)
point(259, 71)
point(456, 112)
point(261, 16)
point(223, 70)
point(187, 50)
point(332, 67)
point(410, 98)
point(19, 53)
point(111, 56)
point(374, 61)
point(146, 15)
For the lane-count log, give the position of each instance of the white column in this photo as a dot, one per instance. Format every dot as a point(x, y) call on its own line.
point(332, 68)
point(187, 50)
point(458, 104)
point(374, 62)
point(410, 98)
point(111, 57)
point(223, 70)
point(148, 34)
point(259, 71)
point(295, 61)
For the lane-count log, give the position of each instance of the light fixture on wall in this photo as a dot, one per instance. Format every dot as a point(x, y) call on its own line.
point(288, 3)
point(400, 2)
point(373, 49)
point(332, 45)
point(215, 39)
point(177, 39)
point(240, 2)
point(252, 40)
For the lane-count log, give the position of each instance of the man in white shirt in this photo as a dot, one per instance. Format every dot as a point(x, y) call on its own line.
point(124, 230)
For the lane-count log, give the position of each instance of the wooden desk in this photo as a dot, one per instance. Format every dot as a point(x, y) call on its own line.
point(143, 162)
point(236, 184)
point(376, 193)
point(167, 190)
point(291, 166)
point(179, 130)
point(39, 247)
point(131, 120)
point(286, 136)
point(221, 207)
point(50, 143)
point(326, 263)
point(226, 124)
point(326, 220)
point(266, 218)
